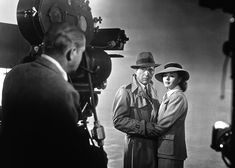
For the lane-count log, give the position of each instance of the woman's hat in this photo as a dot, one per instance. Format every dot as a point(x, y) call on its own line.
point(145, 59)
point(172, 67)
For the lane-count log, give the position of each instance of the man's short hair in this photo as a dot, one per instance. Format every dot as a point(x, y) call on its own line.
point(60, 36)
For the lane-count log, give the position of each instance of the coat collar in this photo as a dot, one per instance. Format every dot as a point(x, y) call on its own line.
point(136, 88)
point(57, 64)
point(168, 94)
point(48, 64)
point(135, 84)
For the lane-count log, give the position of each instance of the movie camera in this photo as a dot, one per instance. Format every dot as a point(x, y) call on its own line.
point(34, 18)
point(222, 137)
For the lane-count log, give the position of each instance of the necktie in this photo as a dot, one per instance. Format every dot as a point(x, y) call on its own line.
point(147, 91)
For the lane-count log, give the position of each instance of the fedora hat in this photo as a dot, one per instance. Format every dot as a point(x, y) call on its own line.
point(145, 59)
point(172, 67)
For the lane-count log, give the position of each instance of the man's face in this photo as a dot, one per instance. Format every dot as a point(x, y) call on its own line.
point(144, 74)
point(77, 57)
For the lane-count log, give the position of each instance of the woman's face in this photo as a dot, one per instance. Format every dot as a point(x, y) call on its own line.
point(170, 80)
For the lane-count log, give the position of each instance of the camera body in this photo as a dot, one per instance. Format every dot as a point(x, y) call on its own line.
point(34, 18)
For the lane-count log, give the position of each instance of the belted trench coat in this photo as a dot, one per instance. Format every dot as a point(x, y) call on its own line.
point(132, 108)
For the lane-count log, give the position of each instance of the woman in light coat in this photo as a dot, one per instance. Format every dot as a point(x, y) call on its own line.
point(170, 126)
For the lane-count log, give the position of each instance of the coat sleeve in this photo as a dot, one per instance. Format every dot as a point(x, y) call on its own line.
point(176, 108)
point(121, 115)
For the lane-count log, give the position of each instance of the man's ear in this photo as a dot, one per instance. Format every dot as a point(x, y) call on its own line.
point(69, 54)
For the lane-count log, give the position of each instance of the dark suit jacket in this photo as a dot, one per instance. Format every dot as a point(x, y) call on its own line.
point(40, 114)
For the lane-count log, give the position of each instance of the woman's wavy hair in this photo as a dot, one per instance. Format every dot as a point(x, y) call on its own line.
point(183, 84)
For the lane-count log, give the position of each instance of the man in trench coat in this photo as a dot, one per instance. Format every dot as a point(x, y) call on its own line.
point(134, 105)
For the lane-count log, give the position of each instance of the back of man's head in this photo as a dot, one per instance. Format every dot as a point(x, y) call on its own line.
point(61, 36)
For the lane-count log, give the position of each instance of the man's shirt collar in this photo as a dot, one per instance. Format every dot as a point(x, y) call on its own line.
point(57, 64)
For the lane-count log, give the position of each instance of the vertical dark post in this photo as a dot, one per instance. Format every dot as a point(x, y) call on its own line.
point(98, 131)
point(232, 45)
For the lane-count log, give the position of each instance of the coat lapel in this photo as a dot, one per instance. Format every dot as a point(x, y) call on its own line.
point(163, 106)
point(139, 95)
point(165, 102)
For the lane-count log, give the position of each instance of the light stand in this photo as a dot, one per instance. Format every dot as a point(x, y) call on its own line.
point(229, 50)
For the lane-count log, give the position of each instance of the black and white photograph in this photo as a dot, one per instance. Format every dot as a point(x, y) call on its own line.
point(117, 83)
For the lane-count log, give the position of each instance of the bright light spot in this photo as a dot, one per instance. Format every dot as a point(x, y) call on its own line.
point(221, 125)
point(95, 3)
point(221, 146)
point(8, 10)
point(97, 7)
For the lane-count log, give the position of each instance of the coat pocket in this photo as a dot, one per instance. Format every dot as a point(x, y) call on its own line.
point(166, 145)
